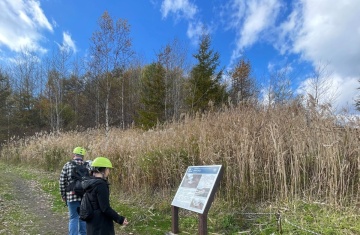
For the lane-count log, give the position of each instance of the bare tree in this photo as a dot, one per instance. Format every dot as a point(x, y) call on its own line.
point(320, 88)
point(173, 59)
point(278, 90)
point(25, 85)
point(5, 106)
point(58, 67)
point(110, 51)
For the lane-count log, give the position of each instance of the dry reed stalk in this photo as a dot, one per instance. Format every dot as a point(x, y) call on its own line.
point(274, 153)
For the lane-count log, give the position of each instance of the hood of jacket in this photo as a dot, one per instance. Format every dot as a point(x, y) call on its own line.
point(90, 183)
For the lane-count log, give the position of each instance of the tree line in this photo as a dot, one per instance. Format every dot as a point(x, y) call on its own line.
point(111, 87)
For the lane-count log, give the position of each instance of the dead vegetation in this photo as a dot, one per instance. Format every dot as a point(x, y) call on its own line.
point(280, 153)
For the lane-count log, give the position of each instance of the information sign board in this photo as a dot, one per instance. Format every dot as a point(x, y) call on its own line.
point(196, 187)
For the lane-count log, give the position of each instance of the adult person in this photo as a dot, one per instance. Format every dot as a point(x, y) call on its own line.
point(97, 188)
point(76, 226)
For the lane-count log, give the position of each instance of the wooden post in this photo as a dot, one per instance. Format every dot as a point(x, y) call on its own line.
point(175, 219)
point(203, 224)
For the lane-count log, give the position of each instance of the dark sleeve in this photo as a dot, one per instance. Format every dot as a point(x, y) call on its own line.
point(104, 203)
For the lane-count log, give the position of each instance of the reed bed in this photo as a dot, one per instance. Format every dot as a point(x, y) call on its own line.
point(268, 154)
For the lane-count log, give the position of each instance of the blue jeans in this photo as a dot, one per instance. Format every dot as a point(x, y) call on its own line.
point(76, 226)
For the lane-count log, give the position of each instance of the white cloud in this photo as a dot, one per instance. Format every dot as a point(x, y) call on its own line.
point(250, 19)
point(194, 31)
point(21, 22)
point(68, 43)
point(261, 15)
point(235, 11)
point(327, 30)
point(286, 31)
point(180, 8)
point(316, 30)
point(348, 92)
point(183, 9)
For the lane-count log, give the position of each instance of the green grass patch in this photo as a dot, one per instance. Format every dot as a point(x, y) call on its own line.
point(51, 186)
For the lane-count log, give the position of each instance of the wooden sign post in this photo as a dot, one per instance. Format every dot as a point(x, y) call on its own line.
point(175, 219)
point(196, 193)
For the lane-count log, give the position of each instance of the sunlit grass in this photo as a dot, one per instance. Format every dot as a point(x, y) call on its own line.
point(153, 216)
point(281, 153)
point(286, 154)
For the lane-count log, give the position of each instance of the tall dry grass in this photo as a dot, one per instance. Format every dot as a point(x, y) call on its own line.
point(276, 154)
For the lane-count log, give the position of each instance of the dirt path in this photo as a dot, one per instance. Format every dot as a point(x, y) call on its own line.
point(26, 209)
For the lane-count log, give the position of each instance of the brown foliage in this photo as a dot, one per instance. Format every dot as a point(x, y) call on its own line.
point(267, 154)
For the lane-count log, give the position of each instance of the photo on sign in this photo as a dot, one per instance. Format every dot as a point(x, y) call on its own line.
point(202, 192)
point(191, 181)
point(197, 203)
point(196, 188)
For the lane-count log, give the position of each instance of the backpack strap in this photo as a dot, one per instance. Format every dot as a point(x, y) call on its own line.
point(73, 170)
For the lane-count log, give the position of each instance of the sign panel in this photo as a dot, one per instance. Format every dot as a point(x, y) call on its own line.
point(195, 188)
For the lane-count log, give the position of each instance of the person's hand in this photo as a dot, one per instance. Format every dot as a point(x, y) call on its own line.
point(125, 222)
point(64, 199)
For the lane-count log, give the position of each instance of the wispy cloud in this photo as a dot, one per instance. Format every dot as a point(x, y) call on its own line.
point(324, 30)
point(21, 23)
point(319, 30)
point(194, 31)
point(180, 9)
point(184, 10)
point(249, 20)
point(314, 30)
point(68, 43)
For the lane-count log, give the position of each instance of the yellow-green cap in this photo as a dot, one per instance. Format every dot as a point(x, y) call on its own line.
point(101, 162)
point(79, 151)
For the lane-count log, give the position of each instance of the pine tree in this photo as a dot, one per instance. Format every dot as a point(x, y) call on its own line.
point(204, 83)
point(152, 96)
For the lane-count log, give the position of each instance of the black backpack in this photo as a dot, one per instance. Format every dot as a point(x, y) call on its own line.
point(78, 174)
point(87, 205)
point(86, 210)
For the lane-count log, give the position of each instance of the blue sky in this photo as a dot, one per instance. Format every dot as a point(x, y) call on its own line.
point(298, 35)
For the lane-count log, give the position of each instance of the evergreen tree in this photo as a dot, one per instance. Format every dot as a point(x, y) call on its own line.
point(152, 96)
point(204, 82)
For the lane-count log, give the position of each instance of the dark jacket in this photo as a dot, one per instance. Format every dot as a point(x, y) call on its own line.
point(102, 222)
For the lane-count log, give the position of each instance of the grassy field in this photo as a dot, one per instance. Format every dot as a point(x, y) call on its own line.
point(153, 215)
point(282, 166)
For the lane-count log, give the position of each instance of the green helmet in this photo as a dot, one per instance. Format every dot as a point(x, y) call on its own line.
point(101, 162)
point(79, 151)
